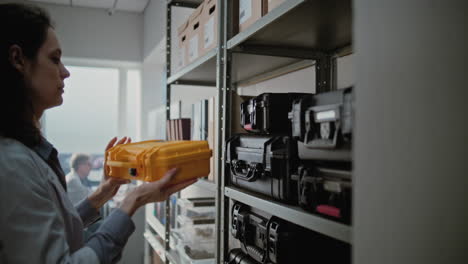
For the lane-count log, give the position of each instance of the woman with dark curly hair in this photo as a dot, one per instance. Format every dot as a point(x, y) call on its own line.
point(38, 223)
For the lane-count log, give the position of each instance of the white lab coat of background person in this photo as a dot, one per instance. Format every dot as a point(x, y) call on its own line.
point(80, 169)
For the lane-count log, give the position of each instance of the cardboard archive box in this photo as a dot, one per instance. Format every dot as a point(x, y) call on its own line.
point(249, 12)
point(272, 4)
point(210, 26)
point(182, 33)
point(195, 38)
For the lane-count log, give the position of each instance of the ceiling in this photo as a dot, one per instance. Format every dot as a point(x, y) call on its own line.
point(124, 5)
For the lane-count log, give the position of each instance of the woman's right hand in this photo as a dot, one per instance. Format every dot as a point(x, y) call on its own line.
point(152, 192)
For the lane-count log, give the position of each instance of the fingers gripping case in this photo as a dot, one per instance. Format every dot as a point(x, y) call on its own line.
point(323, 124)
point(263, 164)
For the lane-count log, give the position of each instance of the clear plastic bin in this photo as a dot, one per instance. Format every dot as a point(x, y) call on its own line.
point(199, 253)
point(176, 238)
point(197, 208)
point(194, 231)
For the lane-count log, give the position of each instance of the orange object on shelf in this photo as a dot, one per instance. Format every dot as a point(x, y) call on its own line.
point(150, 160)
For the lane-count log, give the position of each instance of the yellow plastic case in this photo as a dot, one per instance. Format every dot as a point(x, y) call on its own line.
point(150, 160)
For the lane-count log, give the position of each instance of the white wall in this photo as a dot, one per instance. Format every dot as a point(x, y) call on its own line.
point(154, 44)
point(153, 88)
point(303, 81)
point(154, 95)
point(92, 33)
point(411, 143)
point(190, 95)
point(154, 25)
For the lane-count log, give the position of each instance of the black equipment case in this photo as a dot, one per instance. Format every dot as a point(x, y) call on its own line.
point(263, 164)
point(323, 124)
point(326, 191)
point(237, 256)
point(268, 113)
point(279, 242)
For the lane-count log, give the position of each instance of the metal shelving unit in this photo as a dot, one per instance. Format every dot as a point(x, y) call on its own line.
point(155, 243)
point(202, 72)
point(172, 256)
point(295, 35)
point(154, 223)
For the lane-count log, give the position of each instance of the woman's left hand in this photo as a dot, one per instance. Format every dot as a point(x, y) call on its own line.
point(109, 186)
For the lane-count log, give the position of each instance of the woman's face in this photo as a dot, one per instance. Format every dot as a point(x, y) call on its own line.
point(46, 74)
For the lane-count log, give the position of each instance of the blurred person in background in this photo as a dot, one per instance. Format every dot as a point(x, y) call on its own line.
point(78, 184)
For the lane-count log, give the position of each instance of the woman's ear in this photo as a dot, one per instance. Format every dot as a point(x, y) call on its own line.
point(16, 57)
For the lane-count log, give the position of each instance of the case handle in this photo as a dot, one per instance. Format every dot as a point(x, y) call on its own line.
point(121, 164)
point(322, 127)
point(329, 210)
point(247, 172)
point(256, 252)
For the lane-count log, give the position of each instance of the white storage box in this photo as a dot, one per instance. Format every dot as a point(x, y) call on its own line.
point(176, 238)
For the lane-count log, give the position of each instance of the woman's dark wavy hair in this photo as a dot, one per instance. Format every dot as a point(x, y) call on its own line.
point(25, 26)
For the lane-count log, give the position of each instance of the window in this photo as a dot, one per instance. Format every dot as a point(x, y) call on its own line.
point(87, 119)
point(98, 105)
point(132, 104)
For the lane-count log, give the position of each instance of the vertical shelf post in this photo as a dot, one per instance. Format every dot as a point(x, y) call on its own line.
point(147, 249)
point(223, 127)
point(325, 73)
point(168, 116)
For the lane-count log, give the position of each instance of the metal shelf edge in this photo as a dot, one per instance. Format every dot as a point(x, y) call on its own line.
point(155, 244)
point(263, 22)
point(293, 214)
point(182, 3)
point(156, 225)
point(179, 74)
point(170, 255)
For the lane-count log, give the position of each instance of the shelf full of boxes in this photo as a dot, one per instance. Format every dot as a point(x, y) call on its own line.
point(249, 42)
point(194, 57)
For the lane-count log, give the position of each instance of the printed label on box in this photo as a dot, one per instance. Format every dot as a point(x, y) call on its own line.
point(209, 32)
point(245, 10)
point(181, 56)
point(193, 48)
